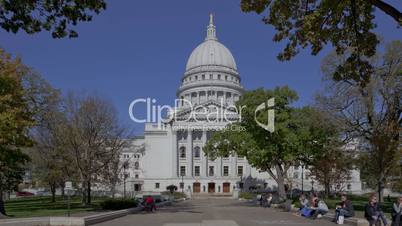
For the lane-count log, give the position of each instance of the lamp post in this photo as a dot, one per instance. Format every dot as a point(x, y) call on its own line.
point(125, 165)
point(312, 185)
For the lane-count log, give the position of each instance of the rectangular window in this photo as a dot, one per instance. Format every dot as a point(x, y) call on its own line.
point(295, 175)
point(182, 171)
point(181, 185)
point(225, 171)
point(136, 176)
point(157, 185)
point(197, 171)
point(211, 171)
point(240, 171)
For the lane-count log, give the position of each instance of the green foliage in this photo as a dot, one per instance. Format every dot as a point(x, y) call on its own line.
point(54, 16)
point(118, 204)
point(270, 152)
point(176, 195)
point(346, 25)
point(43, 206)
point(246, 195)
point(172, 188)
point(15, 121)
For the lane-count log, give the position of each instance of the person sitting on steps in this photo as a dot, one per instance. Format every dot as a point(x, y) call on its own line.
point(344, 209)
point(373, 212)
point(397, 212)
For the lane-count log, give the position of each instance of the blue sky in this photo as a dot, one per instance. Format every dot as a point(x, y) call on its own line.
point(139, 49)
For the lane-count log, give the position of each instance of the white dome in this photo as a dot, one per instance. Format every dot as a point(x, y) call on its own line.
point(211, 52)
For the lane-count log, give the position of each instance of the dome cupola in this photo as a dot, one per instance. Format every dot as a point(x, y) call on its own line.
point(211, 53)
point(211, 73)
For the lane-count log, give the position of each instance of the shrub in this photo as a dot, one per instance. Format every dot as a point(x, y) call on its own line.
point(171, 188)
point(246, 195)
point(118, 204)
point(176, 195)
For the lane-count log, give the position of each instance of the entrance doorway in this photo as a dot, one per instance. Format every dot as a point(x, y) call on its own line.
point(226, 187)
point(196, 187)
point(211, 187)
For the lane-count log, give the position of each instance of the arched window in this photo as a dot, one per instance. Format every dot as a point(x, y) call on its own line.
point(197, 151)
point(136, 165)
point(183, 152)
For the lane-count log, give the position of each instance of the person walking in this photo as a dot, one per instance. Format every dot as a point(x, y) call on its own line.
point(397, 212)
point(373, 212)
point(343, 210)
point(150, 203)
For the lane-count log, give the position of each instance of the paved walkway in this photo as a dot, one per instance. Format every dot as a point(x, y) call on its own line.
point(215, 212)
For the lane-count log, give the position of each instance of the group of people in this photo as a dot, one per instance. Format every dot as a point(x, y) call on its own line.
point(315, 208)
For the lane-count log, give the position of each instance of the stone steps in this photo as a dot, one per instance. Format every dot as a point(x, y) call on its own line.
point(210, 196)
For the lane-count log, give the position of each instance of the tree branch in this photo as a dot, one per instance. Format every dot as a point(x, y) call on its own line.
point(389, 10)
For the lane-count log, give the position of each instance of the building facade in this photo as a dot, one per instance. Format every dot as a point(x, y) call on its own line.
point(172, 153)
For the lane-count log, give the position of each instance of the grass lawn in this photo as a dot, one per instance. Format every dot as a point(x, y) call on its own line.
point(42, 206)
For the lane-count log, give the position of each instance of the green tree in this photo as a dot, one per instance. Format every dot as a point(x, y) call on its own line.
point(15, 121)
point(372, 112)
point(51, 163)
point(54, 16)
point(321, 139)
point(346, 25)
point(270, 152)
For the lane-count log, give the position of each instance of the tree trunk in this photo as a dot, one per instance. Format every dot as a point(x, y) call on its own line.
point(53, 191)
point(281, 182)
point(327, 189)
point(2, 208)
point(84, 194)
point(88, 192)
point(113, 190)
point(63, 193)
point(381, 188)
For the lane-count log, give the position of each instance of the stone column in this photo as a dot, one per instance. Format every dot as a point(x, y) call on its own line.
point(189, 157)
point(175, 155)
point(204, 159)
point(198, 97)
point(218, 170)
point(233, 166)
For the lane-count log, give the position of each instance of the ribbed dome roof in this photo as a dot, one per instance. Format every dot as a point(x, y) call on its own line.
point(211, 52)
